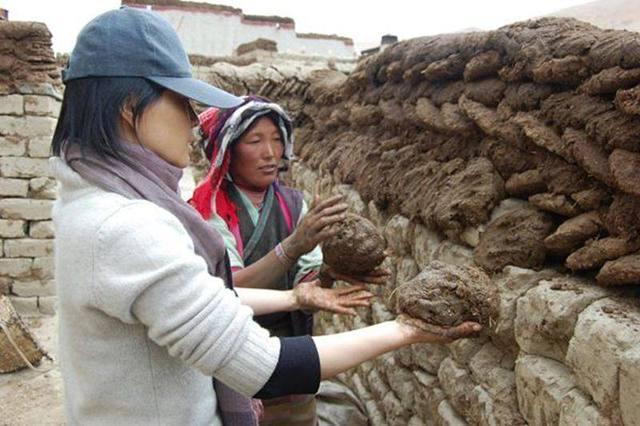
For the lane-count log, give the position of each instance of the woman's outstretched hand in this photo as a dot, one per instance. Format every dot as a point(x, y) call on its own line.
point(311, 296)
point(420, 332)
point(314, 227)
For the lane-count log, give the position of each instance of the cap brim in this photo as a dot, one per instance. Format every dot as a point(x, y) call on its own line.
point(199, 91)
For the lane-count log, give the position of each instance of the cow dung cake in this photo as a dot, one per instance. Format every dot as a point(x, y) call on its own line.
point(444, 296)
point(356, 249)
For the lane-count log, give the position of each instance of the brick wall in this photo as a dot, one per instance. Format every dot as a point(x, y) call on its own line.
point(29, 106)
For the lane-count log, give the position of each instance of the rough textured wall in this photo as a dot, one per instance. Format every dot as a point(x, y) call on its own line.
point(516, 150)
point(29, 105)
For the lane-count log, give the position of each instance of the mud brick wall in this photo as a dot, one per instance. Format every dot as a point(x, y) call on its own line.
point(29, 105)
point(516, 150)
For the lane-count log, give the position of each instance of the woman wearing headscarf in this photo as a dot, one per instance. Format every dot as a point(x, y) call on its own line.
point(270, 234)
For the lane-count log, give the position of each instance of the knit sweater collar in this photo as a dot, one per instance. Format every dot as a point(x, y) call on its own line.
point(70, 183)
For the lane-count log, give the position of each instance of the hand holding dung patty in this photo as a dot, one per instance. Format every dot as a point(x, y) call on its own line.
point(444, 297)
point(416, 334)
point(315, 226)
point(354, 253)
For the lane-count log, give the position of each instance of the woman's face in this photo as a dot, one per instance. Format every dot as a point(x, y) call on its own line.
point(256, 155)
point(166, 128)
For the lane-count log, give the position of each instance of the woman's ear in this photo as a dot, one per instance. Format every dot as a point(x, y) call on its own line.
point(127, 122)
point(126, 115)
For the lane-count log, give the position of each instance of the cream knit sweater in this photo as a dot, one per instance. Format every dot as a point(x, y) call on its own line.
point(143, 326)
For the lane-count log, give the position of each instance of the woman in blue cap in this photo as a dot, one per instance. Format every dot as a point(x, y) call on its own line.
point(147, 310)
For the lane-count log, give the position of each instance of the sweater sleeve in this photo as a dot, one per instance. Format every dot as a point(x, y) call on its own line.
point(146, 271)
point(298, 369)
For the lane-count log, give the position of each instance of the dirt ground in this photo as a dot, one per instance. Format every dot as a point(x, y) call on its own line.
point(30, 397)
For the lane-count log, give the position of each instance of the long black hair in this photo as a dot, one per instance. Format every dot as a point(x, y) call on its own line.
point(91, 111)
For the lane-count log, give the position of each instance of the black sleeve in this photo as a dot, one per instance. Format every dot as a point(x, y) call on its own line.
point(297, 371)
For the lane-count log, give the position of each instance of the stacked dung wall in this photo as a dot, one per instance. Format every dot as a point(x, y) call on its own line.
point(29, 105)
point(516, 150)
point(281, 79)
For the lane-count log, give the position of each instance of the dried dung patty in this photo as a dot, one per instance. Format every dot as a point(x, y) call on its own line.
point(356, 249)
point(445, 295)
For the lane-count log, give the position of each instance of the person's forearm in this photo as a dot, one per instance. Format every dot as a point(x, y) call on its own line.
point(340, 352)
point(261, 274)
point(304, 360)
point(267, 301)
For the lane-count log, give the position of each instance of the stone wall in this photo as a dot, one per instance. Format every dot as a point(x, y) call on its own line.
point(514, 150)
point(29, 105)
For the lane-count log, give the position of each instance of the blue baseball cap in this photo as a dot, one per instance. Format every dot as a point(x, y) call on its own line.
point(131, 42)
